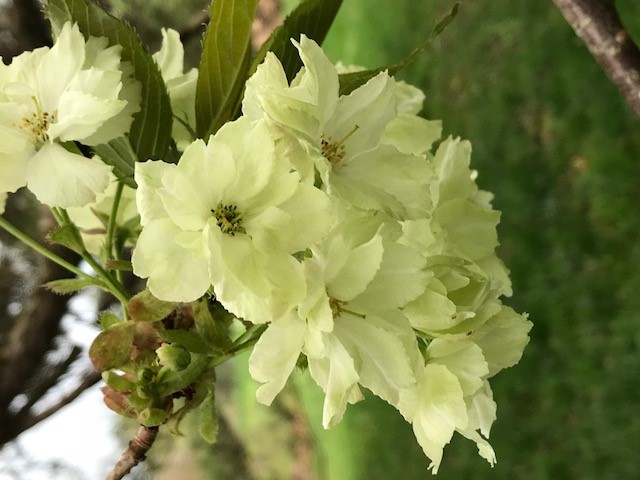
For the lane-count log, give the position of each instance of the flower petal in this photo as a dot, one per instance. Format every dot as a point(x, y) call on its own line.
point(148, 176)
point(59, 178)
point(275, 355)
point(58, 66)
point(174, 261)
point(337, 376)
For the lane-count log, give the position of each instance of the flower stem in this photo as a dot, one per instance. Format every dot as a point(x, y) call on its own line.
point(247, 340)
point(41, 250)
point(252, 331)
point(115, 287)
point(111, 253)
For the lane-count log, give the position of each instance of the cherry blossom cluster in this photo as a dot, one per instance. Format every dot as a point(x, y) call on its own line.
point(342, 222)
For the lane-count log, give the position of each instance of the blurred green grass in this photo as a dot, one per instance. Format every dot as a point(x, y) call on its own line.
point(558, 146)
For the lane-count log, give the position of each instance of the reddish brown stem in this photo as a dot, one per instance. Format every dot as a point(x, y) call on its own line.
point(135, 453)
point(598, 25)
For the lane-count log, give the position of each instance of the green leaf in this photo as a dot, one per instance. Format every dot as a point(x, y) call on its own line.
point(117, 382)
point(174, 357)
point(121, 265)
point(311, 17)
point(144, 307)
point(213, 332)
point(224, 65)
point(111, 348)
point(350, 81)
point(150, 133)
point(189, 340)
point(208, 424)
point(174, 381)
point(71, 285)
point(120, 155)
point(69, 236)
point(152, 417)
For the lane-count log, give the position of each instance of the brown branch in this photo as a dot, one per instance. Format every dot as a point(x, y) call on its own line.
point(135, 453)
point(597, 23)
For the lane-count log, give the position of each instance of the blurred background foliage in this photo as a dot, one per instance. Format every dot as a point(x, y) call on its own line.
point(560, 149)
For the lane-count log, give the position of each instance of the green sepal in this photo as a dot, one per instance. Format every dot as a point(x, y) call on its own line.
point(224, 65)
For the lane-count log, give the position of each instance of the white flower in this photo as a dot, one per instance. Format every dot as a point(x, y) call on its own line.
point(348, 325)
point(341, 134)
point(180, 86)
point(3, 201)
point(436, 409)
point(503, 338)
point(230, 214)
point(51, 97)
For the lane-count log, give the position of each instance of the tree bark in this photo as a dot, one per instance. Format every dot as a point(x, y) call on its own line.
point(598, 25)
point(135, 453)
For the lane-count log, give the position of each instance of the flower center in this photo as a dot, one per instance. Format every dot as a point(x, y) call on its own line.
point(228, 219)
point(336, 306)
point(37, 123)
point(335, 151)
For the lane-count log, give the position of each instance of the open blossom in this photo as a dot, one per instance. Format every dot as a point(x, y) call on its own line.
point(180, 86)
point(406, 303)
point(349, 324)
point(50, 97)
point(341, 134)
point(230, 215)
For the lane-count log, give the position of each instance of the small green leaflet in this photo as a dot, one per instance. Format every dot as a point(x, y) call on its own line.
point(224, 65)
point(120, 155)
point(69, 236)
point(66, 286)
point(208, 424)
point(151, 130)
